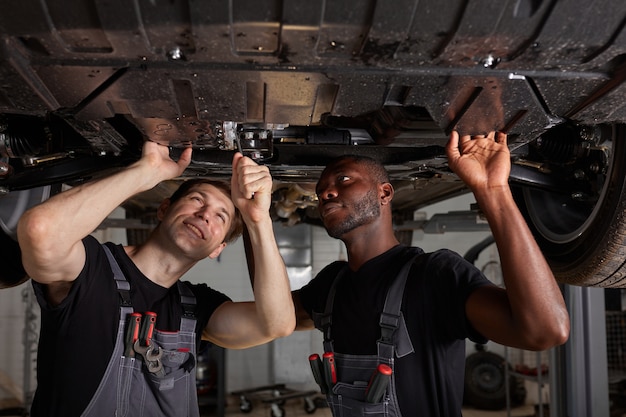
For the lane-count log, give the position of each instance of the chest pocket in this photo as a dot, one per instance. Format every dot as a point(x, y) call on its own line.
point(348, 397)
point(130, 386)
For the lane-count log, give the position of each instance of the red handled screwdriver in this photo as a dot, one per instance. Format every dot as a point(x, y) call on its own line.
point(147, 328)
point(132, 334)
point(330, 372)
point(316, 368)
point(378, 384)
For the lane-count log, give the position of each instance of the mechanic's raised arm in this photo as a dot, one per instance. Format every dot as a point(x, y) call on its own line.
point(531, 313)
point(271, 315)
point(50, 233)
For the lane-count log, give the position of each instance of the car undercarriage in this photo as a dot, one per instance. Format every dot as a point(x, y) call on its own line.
point(84, 83)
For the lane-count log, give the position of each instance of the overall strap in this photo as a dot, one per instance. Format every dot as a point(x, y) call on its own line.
point(394, 337)
point(188, 303)
point(187, 298)
point(324, 320)
point(123, 286)
point(391, 315)
point(392, 341)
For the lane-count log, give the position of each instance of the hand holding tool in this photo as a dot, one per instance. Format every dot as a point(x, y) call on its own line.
point(316, 368)
point(378, 384)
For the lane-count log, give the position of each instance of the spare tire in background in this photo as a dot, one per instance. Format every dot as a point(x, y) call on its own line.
point(485, 386)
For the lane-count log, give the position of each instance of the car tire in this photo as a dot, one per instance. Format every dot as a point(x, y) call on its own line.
point(584, 246)
point(485, 384)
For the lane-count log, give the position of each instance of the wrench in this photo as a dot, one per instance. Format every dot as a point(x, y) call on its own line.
point(151, 358)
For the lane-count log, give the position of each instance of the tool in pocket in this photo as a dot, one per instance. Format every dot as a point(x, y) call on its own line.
point(378, 383)
point(132, 334)
point(145, 346)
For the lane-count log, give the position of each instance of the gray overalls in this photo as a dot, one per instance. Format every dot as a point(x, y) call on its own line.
point(347, 397)
point(128, 388)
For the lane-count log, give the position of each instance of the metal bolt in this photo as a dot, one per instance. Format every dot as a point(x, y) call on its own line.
point(176, 54)
point(586, 133)
point(490, 61)
point(594, 167)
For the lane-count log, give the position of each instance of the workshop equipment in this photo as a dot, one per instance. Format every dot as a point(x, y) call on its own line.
point(275, 395)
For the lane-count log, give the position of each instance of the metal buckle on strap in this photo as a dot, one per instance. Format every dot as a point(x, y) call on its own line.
point(322, 322)
point(189, 311)
point(189, 307)
point(125, 298)
point(388, 325)
point(390, 321)
point(123, 289)
point(187, 301)
point(326, 321)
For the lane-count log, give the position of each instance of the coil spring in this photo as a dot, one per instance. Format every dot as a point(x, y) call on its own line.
point(12, 146)
point(560, 148)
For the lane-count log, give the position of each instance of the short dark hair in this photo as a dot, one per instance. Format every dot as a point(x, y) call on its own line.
point(236, 224)
point(376, 169)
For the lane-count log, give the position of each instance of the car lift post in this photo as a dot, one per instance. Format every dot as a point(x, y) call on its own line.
point(579, 380)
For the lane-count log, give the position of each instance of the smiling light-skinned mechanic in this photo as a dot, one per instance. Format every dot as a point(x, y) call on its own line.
point(86, 365)
point(445, 299)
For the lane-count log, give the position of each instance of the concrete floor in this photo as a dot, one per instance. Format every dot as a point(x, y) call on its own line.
point(295, 408)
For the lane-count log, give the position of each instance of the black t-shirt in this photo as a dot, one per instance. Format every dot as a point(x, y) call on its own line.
point(78, 336)
point(429, 381)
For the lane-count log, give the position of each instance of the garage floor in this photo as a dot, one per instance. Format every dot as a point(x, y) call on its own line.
point(295, 408)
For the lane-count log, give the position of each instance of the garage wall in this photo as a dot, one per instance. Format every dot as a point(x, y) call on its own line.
point(461, 242)
point(12, 313)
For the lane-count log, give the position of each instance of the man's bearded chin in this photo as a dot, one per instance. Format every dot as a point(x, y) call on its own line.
point(364, 211)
